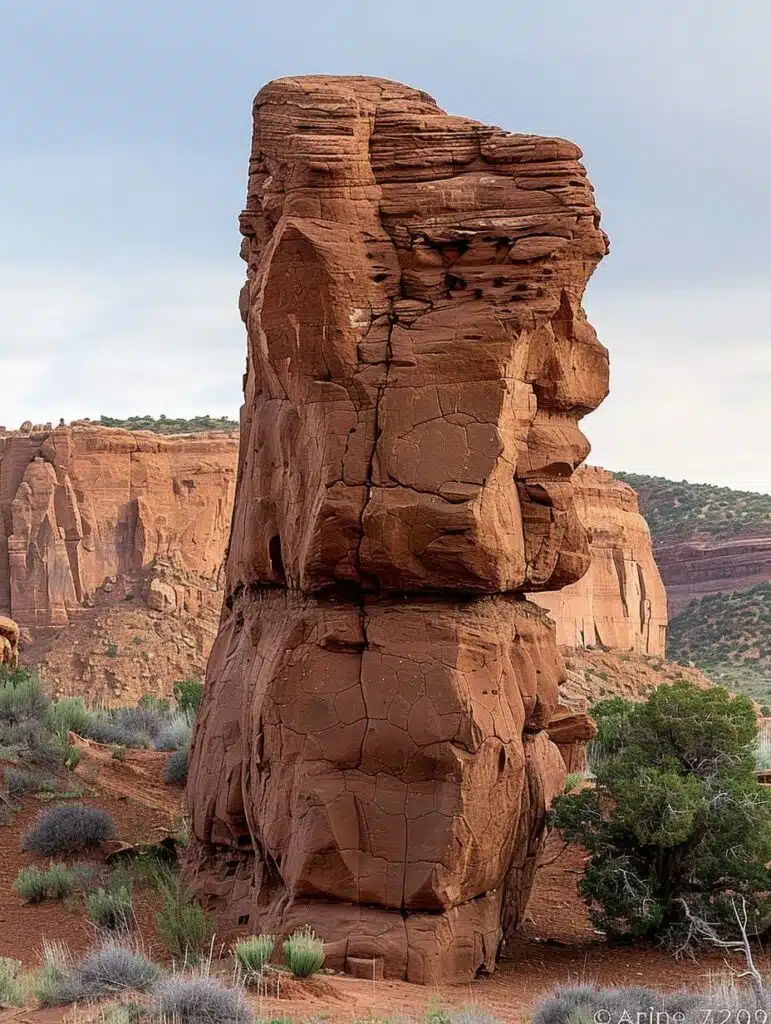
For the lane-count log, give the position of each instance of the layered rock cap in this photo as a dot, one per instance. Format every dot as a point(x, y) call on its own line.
point(373, 756)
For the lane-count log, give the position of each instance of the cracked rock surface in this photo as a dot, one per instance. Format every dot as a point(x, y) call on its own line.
point(372, 755)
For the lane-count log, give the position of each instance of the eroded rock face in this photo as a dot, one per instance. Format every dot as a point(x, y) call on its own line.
point(372, 755)
point(81, 504)
point(620, 603)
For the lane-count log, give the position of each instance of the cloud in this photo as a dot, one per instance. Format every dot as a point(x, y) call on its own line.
point(690, 380)
point(167, 341)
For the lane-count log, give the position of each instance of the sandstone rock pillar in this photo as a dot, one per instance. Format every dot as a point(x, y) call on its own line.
point(372, 755)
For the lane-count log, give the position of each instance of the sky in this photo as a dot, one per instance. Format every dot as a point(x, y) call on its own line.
point(124, 136)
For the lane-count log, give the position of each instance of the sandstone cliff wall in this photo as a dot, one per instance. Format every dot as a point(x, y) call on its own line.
point(80, 505)
point(621, 602)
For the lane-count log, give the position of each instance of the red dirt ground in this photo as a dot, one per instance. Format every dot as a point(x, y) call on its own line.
point(558, 944)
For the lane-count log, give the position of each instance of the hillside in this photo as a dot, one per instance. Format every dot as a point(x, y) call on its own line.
point(678, 510)
point(728, 636)
point(706, 539)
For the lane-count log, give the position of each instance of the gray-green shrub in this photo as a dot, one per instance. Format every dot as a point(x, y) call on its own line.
point(109, 967)
point(68, 828)
point(200, 999)
point(176, 767)
point(576, 1004)
point(22, 780)
point(176, 733)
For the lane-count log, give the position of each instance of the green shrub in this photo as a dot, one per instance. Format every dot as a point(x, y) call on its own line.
point(254, 953)
point(68, 828)
point(34, 885)
point(200, 999)
point(188, 694)
point(175, 768)
point(111, 651)
point(110, 909)
point(676, 813)
point(11, 983)
point(23, 699)
point(304, 952)
point(68, 715)
point(60, 881)
point(52, 983)
point(150, 703)
point(31, 885)
point(184, 927)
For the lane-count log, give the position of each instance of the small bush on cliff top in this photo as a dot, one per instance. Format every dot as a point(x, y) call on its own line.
point(676, 813)
point(68, 828)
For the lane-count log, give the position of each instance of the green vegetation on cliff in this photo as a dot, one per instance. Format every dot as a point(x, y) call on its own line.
point(166, 425)
point(679, 510)
point(728, 636)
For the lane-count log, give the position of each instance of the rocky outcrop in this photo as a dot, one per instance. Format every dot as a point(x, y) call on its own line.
point(620, 603)
point(140, 634)
point(372, 756)
point(80, 505)
point(9, 643)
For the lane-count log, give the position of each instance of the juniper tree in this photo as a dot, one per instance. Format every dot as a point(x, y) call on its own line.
point(676, 817)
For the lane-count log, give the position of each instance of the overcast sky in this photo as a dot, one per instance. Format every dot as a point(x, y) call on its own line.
point(124, 134)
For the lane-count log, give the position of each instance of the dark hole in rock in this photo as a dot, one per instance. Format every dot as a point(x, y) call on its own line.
point(276, 561)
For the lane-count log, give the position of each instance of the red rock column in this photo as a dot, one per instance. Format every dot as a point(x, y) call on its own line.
point(370, 756)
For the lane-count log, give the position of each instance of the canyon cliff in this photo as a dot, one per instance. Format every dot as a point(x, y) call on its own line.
point(81, 506)
point(374, 752)
point(620, 603)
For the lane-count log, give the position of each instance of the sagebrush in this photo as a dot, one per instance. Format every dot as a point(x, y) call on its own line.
point(68, 828)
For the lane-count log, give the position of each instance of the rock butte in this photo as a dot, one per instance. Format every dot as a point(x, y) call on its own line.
point(620, 603)
point(80, 504)
point(372, 756)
